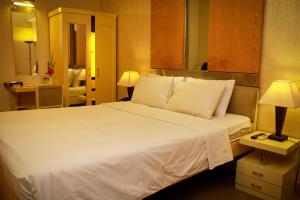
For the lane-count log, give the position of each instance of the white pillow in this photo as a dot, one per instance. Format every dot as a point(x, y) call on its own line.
point(70, 76)
point(152, 91)
point(82, 75)
point(196, 98)
point(225, 99)
point(76, 80)
point(176, 80)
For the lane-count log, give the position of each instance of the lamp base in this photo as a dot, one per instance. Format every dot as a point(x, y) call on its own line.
point(130, 92)
point(280, 138)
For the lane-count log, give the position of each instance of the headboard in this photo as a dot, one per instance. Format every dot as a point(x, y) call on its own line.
point(245, 94)
point(77, 67)
point(244, 101)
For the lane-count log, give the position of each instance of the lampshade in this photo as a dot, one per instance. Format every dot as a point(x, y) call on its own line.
point(129, 79)
point(282, 93)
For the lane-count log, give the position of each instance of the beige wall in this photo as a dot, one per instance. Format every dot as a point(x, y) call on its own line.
point(6, 48)
point(133, 32)
point(281, 58)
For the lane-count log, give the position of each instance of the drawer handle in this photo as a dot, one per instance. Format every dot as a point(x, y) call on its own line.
point(256, 186)
point(257, 174)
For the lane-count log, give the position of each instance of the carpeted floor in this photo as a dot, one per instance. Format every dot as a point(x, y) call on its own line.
point(217, 184)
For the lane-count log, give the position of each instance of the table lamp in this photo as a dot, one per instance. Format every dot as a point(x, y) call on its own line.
point(281, 94)
point(129, 79)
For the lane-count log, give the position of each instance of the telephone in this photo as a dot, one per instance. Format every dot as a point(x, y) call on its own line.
point(13, 83)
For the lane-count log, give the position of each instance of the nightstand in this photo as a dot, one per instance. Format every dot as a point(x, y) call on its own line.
point(270, 171)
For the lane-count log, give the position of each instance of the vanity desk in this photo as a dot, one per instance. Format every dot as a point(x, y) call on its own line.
point(35, 96)
point(22, 97)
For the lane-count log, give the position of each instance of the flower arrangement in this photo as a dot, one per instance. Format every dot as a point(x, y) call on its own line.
point(50, 66)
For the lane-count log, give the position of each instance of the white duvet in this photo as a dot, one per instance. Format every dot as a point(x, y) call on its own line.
point(110, 151)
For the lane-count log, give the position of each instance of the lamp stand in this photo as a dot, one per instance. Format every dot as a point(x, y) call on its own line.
point(130, 92)
point(280, 117)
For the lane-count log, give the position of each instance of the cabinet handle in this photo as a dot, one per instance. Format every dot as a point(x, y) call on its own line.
point(258, 187)
point(98, 72)
point(257, 174)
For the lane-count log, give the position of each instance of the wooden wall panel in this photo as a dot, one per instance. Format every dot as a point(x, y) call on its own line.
point(235, 35)
point(167, 34)
point(133, 36)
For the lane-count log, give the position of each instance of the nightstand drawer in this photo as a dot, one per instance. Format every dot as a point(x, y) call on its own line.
point(250, 165)
point(259, 172)
point(258, 185)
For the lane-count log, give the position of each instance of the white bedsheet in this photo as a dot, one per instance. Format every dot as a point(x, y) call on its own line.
point(110, 151)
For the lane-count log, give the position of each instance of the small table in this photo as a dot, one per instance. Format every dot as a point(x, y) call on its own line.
point(270, 171)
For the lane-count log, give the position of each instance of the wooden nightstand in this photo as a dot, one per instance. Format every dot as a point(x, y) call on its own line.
point(270, 171)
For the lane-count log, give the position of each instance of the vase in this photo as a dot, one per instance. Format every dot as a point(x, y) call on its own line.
point(50, 82)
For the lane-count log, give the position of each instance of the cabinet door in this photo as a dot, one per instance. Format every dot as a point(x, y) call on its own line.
point(105, 39)
point(60, 47)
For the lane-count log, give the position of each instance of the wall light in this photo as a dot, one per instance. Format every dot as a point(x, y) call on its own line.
point(17, 3)
point(93, 54)
point(23, 6)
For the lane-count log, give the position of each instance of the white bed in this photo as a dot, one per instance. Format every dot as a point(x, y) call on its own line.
point(117, 150)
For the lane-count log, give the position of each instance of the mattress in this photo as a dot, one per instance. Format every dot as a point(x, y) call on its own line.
point(236, 125)
point(114, 151)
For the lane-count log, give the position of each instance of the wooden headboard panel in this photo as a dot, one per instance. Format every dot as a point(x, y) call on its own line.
point(244, 101)
point(241, 79)
point(235, 35)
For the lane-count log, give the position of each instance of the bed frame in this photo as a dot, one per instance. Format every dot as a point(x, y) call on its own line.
point(6, 191)
point(243, 102)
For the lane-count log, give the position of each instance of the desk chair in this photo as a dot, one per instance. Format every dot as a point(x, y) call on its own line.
point(49, 96)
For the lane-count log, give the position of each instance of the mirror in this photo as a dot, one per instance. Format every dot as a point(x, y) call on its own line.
point(24, 31)
point(77, 65)
point(197, 16)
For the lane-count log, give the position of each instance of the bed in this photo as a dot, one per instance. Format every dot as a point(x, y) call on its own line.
point(112, 150)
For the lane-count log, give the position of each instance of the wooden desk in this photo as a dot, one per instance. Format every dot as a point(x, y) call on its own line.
point(31, 97)
point(22, 97)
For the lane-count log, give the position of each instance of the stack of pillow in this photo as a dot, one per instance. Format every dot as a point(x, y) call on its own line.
point(198, 97)
point(76, 76)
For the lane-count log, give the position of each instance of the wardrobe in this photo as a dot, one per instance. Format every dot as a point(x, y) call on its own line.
point(83, 46)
